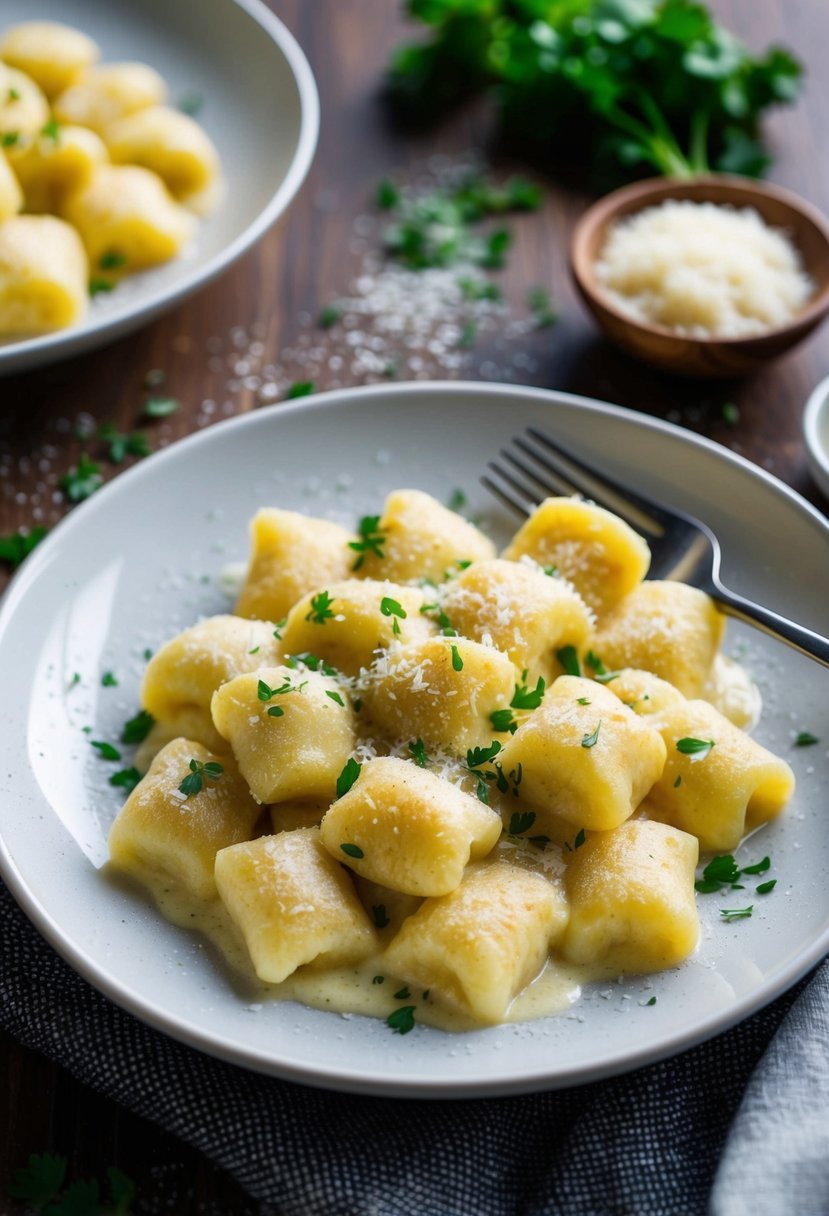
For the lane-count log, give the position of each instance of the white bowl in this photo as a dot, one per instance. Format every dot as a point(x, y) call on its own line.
point(816, 434)
point(261, 109)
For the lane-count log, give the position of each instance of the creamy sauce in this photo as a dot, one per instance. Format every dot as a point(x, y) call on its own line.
point(355, 989)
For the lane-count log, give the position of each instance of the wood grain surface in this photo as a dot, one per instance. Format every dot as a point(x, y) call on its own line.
point(237, 346)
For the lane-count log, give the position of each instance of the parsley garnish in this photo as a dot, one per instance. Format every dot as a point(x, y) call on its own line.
point(736, 913)
point(352, 850)
point(121, 446)
point(191, 103)
point(105, 750)
point(598, 668)
point(329, 315)
point(81, 481)
point(759, 867)
point(402, 1020)
point(457, 661)
point(125, 779)
point(335, 697)
point(194, 780)
point(392, 608)
point(730, 413)
point(651, 1001)
point(476, 756)
point(806, 739)
point(40, 1184)
point(592, 739)
point(520, 822)
point(372, 539)
point(457, 500)
point(568, 656)
point(321, 610)
point(9, 139)
point(137, 728)
point(161, 407)
point(539, 302)
point(302, 388)
point(311, 661)
point(51, 130)
point(765, 887)
point(526, 698)
point(387, 195)
point(694, 747)
point(12, 94)
point(15, 548)
point(348, 776)
point(502, 719)
point(109, 680)
point(418, 753)
point(111, 260)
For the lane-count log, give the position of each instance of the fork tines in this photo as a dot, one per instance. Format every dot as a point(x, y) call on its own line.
point(542, 467)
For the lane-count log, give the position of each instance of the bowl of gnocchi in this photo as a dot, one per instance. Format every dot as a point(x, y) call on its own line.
point(131, 170)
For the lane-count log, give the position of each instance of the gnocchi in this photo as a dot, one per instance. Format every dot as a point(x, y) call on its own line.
point(475, 775)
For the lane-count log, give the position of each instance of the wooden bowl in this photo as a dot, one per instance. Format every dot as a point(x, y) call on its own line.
point(690, 356)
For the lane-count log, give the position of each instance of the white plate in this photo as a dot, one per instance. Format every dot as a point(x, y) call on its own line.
point(816, 434)
point(140, 560)
point(260, 109)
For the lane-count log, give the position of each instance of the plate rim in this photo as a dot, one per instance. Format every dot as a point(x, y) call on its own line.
point(345, 1079)
point(45, 349)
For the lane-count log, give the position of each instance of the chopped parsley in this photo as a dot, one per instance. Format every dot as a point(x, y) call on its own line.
point(418, 752)
point(372, 539)
point(121, 446)
point(386, 195)
point(502, 719)
point(109, 680)
point(736, 913)
point(302, 388)
point(689, 746)
point(105, 750)
point(765, 888)
point(592, 739)
point(520, 822)
point(112, 259)
point(191, 103)
point(457, 661)
point(525, 697)
point(457, 500)
point(806, 739)
point(330, 315)
point(16, 547)
point(335, 697)
point(378, 979)
point(394, 609)
point(193, 782)
point(476, 756)
point(136, 729)
point(569, 658)
point(651, 1001)
point(161, 407)
point(598, 668)
point(99, 287)
point(402, 1020)
point(538, 301)
point(311, 661)
point(321, 610)
point(348, 776)
point(9, 139)
point(352, 850)
point(81, 481)
point(730, 413)
point(125, 779)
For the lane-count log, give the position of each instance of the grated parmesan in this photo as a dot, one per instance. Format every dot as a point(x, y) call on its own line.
point(702, 270)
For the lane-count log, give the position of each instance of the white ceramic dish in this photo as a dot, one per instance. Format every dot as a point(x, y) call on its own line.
point(260, 107)
point(816, 434)
point(141, 560)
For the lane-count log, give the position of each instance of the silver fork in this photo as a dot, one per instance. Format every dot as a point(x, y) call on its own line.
point(681, 547)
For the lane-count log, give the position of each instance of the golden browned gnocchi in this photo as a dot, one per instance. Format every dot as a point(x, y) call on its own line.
point(472, 777)
point(95, 146)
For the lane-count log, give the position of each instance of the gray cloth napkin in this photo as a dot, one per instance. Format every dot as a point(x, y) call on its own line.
point(645, 1144)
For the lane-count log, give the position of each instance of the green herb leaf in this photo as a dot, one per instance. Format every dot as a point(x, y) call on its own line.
point(759, 867)
point(16, 548)
point(329, 315)
point(372, 539)
point(521, 822)
point(81, 481)
point(321, 610)
point(161, 407)
point(109, 680)
point(112, 259)
point(503, 720)
point(592, 739)
point(352, 850)
point(39, 1180)
point(193, 782)
point(125, 779)
point(390, 607)
point(335, 697)
point(476, 756)
point(402, 995)
point(348, 776)
point(402, 1020)
point(302, 388)
point(568, 656)
point(191, 103)
point(136, 729)
point(694, 747)
point(736, 913)
point(105, 750)
point(806, 739)
point(418, 753)
point(457, 661)
point(526, 698)
point(765, 887)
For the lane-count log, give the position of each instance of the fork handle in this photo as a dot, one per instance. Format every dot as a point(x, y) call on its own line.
point(812, 644)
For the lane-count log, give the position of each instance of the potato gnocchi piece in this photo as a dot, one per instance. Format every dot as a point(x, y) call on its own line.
point(24, 111)
point(293, 743)
point(291, 555)
point(182, 676)
point(632, 903)
point(443, 690)
point(51, 53)
point(11, 193)
point(584, 758)
point(421, 540)
point(347, 623)
point(295, 905)
point(665, 627)
point(106, 92)
point(717, 792)
point(404, 827)
point(165, 839)
point(43, 275)
point(521, 610)
point(126, 212)
point(479, 946)
point(596, 551)
point(643, 692)
point(53, 166)
point(174, 146)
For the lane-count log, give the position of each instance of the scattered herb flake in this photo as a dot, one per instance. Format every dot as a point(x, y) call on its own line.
point(592, 739)
point(457, 500)
point(730, 413)
point(191, 103)
point(105, 750)
point(806, 739)
point(765, 887)
point(403, 995)
point(503, 720)
point(51, 130)
point(348, 776)
point(736, 913)
point(301, 388)
point(81, 481)
point(125, 779)
point(457, 661)
point(112, 259)
point(136, 729)
point(352, 850)
point(378, 979)
point(402, 1020)
point(329, 315)
point(109, 680)
point(538, 301)
point(689, 746)
point(417, 750)
point(526, 698)
point(568, 656)
point(335, 697)
point(161, 407)
point(759, 867)
point(372, 539)
point(321, 610)
point(390, 607)
point(651, 1001)
point(16, 548)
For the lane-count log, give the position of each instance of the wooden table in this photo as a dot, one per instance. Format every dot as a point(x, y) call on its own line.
point(213, 349)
